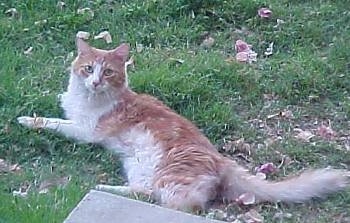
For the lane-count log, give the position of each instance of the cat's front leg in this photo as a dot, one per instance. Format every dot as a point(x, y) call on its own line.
point(66, 127)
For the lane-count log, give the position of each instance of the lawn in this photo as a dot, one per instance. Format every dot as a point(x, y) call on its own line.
point(290, 108)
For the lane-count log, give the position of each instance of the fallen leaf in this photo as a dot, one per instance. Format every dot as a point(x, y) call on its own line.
point(261, 175)
point(304, 135)
point(281, 215)
point(83, 35)
point(23, 190)
point(55, 182)
point(282, 114)
point(7, 167)
point(244, 53)
point(11, 12)
point(104, 35)
point(326, 132)
point(40, 22)
point(139, 47)
point(239, 145)
point(28, 51)
point(279, 22)
point(86, 11)
point(252, 216)
point(269, 50)
point(208, 42)
point(216, 214)
point(267, 168)
point(264, 12)
point(246, 199)
point(241, 46)
point(61, 5)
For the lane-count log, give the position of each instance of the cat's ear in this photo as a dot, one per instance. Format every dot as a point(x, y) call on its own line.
point(122, 51)
point(82, 46)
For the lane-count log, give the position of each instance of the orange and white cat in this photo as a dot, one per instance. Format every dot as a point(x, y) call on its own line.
point(163, 154)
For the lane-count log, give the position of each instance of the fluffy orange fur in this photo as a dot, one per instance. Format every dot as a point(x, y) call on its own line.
point(189, 171)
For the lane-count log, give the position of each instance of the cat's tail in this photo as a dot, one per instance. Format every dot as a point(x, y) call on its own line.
point(309, 184)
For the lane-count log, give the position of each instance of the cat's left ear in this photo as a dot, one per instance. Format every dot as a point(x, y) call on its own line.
point(82, 46)
point(122, 51)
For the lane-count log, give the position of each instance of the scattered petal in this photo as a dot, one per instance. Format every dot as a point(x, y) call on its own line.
point(241, 46)
point(261, 175)
point(279, 22)
point(216, 214)
point(244, 52)
point(61, 5)
point(139, 47)
point(104, 35)
point(83, 35)
point(280, 216)
point(7, 167)
point(28, 51)
point(23, 190)
point(304, 135)
point(269, 50)
point(130, 62)
point(86, 11)
point(326, 132)
point(11, 12)
point(177, 60)
point(246, 199)
point(40, 22)
point(265, 13)
point(208, 42)
point(267, 168)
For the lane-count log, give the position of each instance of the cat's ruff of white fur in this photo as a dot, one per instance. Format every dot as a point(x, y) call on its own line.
point(137, 147)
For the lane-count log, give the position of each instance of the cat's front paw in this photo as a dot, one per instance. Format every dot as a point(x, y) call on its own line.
point(31, 122)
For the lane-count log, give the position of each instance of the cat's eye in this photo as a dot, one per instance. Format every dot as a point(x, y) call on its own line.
point(89, 69)
point(108, 72)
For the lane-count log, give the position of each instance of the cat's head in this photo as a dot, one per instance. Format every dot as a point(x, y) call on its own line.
point(101, 70)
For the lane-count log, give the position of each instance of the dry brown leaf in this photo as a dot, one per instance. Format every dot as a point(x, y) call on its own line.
point(104, 35)
point(246, 199)
point(267, 168)
point(326, 132)
point(7, 167)
point(252, 216)
point(55, 182)
point(208, 42)
point(304, 135)
point(83, 35)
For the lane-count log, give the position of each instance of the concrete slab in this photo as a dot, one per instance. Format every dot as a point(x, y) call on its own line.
point(102, 207)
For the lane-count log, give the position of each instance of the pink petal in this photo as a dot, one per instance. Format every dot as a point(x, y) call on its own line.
point(267, 168)
point(242, 57)
point(264, 13)
point(246, 199)
point(241, 46)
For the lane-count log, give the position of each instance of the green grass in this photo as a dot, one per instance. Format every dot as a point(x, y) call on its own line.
point(308, 74)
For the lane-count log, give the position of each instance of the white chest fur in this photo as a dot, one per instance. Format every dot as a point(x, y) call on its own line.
point(83, 107)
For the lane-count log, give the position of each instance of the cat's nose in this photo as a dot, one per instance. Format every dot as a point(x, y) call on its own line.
point(95, 83)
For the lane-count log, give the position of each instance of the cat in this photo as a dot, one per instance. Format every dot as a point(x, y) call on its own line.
point(163, 154)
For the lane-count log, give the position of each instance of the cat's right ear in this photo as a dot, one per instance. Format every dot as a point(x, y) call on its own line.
point(82, 46)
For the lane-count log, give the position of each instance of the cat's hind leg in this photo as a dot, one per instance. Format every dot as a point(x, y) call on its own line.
point(192, 196)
